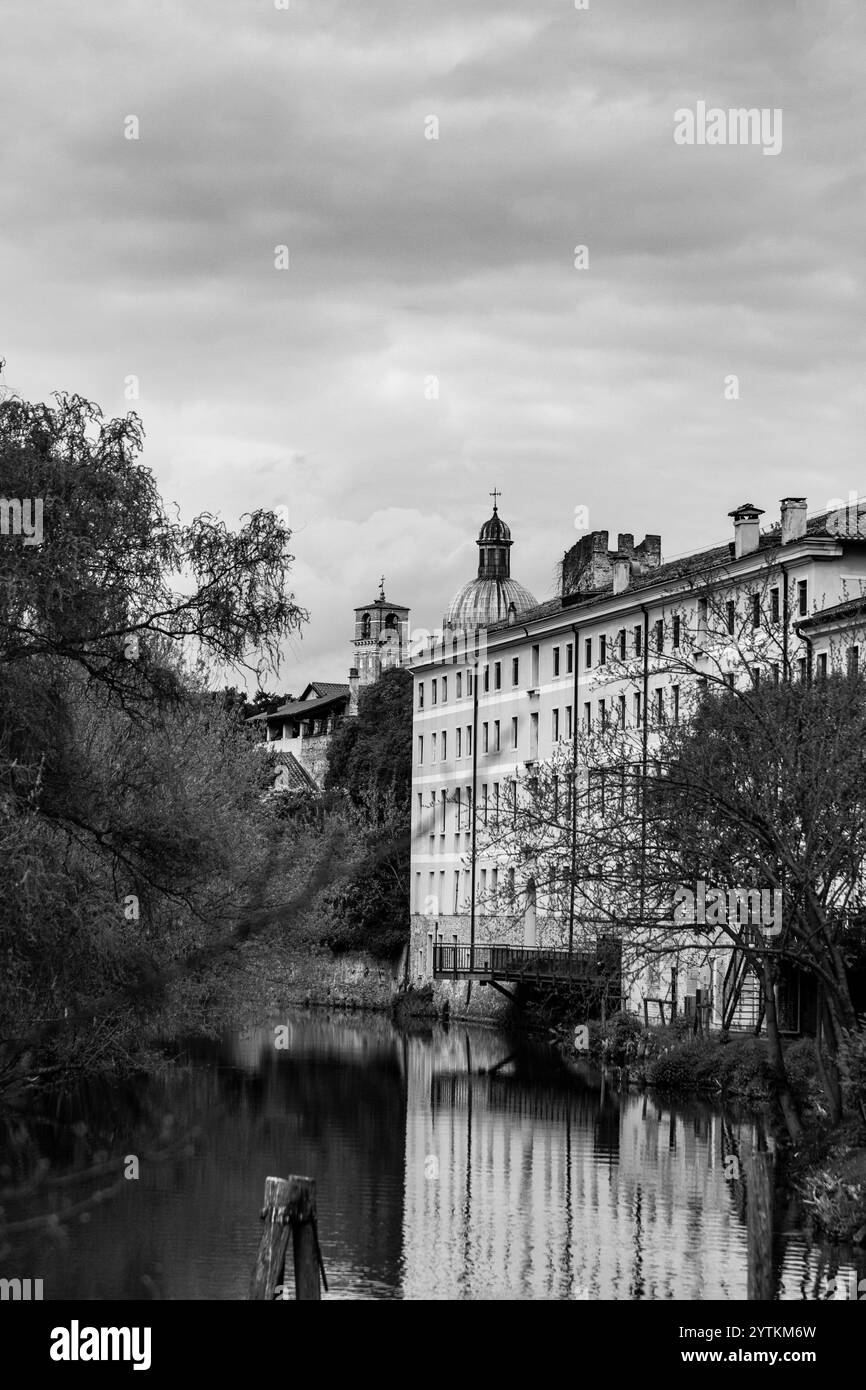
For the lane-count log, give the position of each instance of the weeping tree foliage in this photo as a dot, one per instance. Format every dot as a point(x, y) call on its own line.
point(131, 820)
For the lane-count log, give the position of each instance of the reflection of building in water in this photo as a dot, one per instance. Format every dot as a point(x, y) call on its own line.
point(556, 1190)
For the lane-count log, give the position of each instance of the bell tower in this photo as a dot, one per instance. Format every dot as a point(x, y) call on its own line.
point(381, 637)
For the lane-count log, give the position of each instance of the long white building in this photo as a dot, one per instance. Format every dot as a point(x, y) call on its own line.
point(607, 650)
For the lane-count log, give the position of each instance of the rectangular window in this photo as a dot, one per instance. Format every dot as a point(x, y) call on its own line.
point(514, 732)
point(497, 676)
point(660, 635)
point(802, 597)
point(676, 694)
point(774, 605)
point(485, 738)
point(486, 685)
point(703, 613)
point(602, 713)
point(420, 694)
point(534, 668)
point(470, 810)
point(444, 745)
point(853, 661)
point(621, 643)
point(433, 692)
point(459, 749)
point(420, 809)
point(554, 723)
point(515, 670)
point(822, 666)
point(495, 807)
point(484, 806)
point(445, 690)
point(443, 803)
point(469, 682)
point(622, 711)
point(433, 748)
point(602, 649)
point(459, 679)
point(729, 680)
point(676, 633)
point(568, 717)
point(636, 706)
point(569, 658)
point(775, 670)
point(587, 715)
point(458, 811)
point(513, 803)
point(496, 735)
point(638, 639)
point(802, 666)
point(469, 740)
point(556, 661)
point(660, 706)
point(587, 654)
point(420, 748)
point(456, 892)
point(756, 610)
point(730, 616)
point(533, 736)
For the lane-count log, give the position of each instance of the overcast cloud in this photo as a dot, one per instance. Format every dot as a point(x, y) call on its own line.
point(452, 258)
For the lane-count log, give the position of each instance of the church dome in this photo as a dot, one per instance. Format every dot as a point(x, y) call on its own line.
point(482, 602)
point(493, 594)
point(495, 531)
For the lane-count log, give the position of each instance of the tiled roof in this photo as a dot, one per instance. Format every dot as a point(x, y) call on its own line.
point(297, 708)
point(682, 568)
point(297, 778)
point(849, 608)
point(328, 688)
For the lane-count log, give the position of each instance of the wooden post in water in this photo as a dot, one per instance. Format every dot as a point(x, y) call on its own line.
point(289, 1208)
point(759, 1225)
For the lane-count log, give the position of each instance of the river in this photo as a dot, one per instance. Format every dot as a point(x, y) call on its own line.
point(451, 1163)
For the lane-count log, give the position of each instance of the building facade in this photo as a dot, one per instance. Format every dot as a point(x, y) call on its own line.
point(607, 650)
point(299, 732)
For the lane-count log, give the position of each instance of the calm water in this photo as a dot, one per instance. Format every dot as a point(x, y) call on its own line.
point(446, 1168)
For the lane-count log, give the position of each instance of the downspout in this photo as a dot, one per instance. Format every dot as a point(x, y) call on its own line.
point(786, 666)
point(574, 708)
point(808, 643)
point(474, 807)
point(645, 758)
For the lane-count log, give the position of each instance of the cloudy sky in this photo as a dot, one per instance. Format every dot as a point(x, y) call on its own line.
point(413, 258)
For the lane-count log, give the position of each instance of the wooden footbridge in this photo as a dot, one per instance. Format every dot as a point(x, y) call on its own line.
point(532, 965)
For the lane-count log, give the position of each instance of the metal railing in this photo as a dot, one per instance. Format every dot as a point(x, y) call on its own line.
point(521, 962)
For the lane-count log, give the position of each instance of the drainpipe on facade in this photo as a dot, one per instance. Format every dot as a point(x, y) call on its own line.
point(644, 757)
point(786, 667)
point(574, 708)
point(808, 644)
point(474, 808)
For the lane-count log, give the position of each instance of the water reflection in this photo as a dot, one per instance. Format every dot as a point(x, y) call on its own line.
point(452, 1164)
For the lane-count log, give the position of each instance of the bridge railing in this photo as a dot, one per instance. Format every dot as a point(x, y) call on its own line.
point(516, 961)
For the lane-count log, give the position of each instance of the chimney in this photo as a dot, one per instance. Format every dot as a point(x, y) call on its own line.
point(586, 567)
point(353, 690)
point(621, 574)
point(793, 519)
point(747, 528)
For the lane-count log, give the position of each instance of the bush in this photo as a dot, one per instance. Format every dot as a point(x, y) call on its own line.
point(686, 1065)
point(617, 1032)
point(801, 1068)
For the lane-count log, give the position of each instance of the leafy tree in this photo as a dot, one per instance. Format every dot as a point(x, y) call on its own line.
point(131, 815)
point(371, 756)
